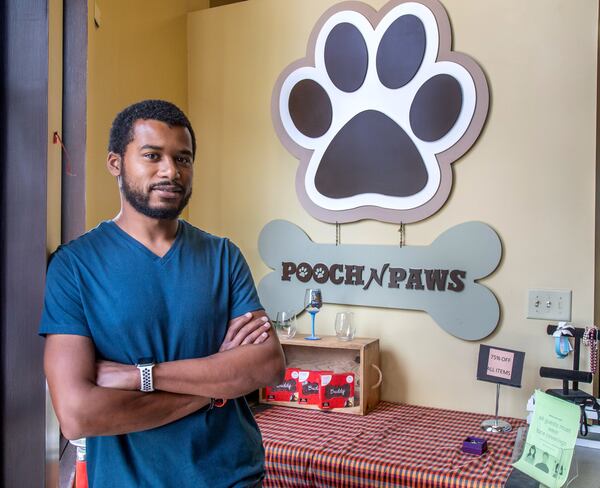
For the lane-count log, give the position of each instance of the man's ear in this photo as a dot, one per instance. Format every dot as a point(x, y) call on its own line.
point(114, 163)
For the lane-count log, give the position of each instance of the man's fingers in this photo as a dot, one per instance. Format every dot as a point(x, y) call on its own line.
point(236, 324)
point(248, 333)
point(260, 324)
point(246, 329)
point(261, 338)
point(256, 337)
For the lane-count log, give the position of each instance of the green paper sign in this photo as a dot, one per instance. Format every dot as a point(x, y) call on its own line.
point(550, 440)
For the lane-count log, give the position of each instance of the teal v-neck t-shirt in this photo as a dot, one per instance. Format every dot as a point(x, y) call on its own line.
point(133, 304)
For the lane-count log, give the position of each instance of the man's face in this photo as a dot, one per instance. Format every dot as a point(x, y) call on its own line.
point(157, 169)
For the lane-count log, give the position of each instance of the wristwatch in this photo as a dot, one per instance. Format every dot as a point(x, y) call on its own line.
point(145, 366)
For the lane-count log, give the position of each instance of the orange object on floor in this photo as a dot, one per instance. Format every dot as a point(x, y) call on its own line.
point(81, 480)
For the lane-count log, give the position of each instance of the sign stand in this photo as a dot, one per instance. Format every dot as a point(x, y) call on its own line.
point(502, 367)
point(495, 424)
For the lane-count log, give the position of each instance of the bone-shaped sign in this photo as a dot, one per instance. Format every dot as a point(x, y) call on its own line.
point(440, 279)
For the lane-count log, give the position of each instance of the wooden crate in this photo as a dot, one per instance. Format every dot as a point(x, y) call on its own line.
point(360, 356)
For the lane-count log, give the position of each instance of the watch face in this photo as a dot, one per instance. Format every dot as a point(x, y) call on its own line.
point(145, 361)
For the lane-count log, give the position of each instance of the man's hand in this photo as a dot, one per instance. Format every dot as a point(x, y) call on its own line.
point(229, 373)
point(245, 330)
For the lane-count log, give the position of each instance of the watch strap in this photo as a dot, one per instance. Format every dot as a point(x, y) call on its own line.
point(146, 378)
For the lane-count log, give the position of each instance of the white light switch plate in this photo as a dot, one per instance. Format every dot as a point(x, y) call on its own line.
point(549, 305)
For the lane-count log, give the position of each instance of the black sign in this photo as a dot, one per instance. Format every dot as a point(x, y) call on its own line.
point(288, 385)
point(333, 391)
point(310, 388)
point(499, 365)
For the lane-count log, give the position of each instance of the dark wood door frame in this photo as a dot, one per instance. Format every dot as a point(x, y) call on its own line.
point(24, 137)
point(24, 133)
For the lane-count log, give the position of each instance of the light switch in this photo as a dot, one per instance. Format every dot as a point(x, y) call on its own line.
point(549, 305)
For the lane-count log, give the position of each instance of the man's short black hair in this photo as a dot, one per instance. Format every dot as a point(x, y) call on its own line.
point(121, 132)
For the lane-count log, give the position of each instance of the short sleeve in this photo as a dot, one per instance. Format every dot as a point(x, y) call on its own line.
point(63, 309)
point(243, 296)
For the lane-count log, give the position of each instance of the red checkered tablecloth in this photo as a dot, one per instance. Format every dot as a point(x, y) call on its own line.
point(393, 446)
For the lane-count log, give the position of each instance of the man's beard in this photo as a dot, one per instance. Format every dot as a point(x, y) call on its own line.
point(141, 201)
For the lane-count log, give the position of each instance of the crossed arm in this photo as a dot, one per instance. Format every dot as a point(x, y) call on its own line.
point(93, 399)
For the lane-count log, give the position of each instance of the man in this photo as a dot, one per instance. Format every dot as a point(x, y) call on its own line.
point(149, 302)
point(543, 464)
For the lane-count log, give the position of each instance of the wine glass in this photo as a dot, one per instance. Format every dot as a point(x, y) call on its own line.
point(313, 302)
point(344, 326)
point(285, 324)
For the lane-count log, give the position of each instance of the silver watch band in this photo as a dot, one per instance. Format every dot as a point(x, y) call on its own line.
point(146, 380)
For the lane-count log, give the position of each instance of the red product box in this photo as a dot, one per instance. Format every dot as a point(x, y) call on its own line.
point(336, 390)
point(308, 386)
point(286, 391)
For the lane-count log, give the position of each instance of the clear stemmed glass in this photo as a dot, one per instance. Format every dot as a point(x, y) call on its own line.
point(313, 302)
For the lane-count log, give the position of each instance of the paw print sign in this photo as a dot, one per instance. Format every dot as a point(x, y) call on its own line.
point(377, 112)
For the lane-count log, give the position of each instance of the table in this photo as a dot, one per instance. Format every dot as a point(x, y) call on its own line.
point(396, 445)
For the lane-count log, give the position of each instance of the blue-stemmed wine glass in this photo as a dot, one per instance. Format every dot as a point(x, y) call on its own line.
point(313, 302)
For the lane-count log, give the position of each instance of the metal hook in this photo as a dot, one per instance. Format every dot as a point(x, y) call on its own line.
point(402, 234)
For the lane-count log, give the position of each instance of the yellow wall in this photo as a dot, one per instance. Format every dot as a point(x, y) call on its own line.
point(530, 176)
point(138, 52)
point(53, 209)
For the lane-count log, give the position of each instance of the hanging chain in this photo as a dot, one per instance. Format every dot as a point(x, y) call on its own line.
point(402, 234)
point(338, 234)
point(590, 339)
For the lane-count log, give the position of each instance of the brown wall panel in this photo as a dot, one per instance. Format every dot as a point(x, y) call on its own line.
point(23, 258)
point(74, 117)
